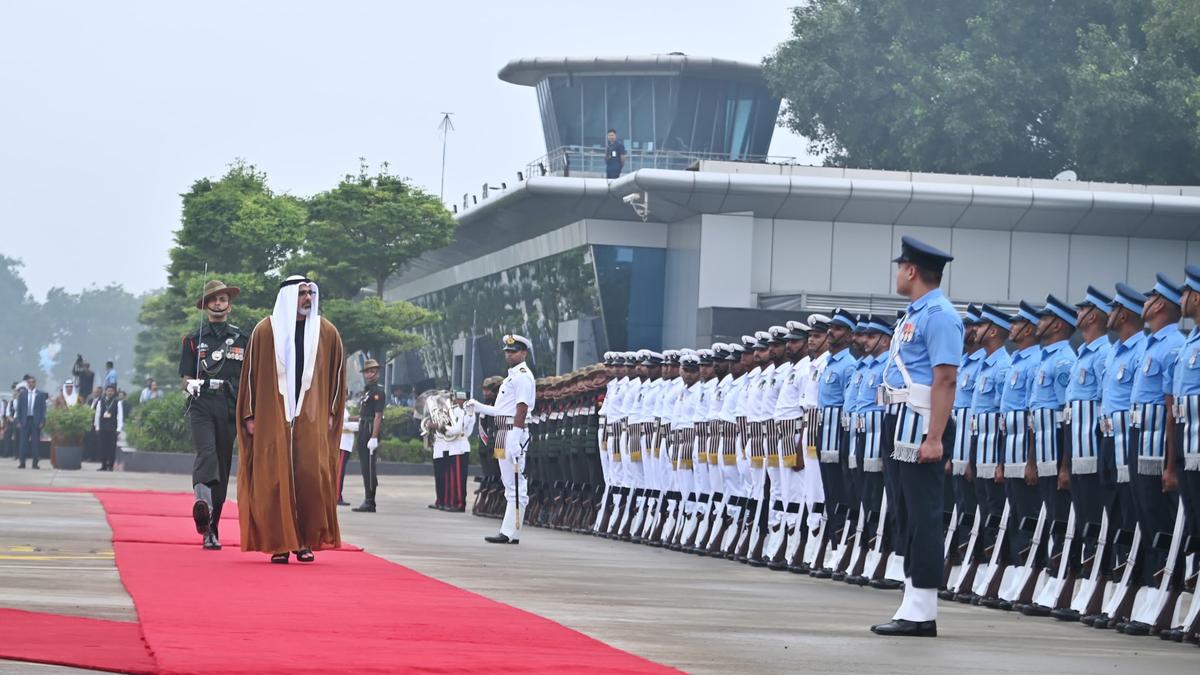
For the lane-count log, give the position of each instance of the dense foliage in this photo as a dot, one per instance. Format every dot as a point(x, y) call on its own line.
point(1109, 88)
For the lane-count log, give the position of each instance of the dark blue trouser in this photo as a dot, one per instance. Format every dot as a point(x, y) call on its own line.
point(31, 437)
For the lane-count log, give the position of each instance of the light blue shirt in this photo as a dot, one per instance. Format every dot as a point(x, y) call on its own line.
point(989, 382)
point(866, 393)
point(110, 378)
point(858, 383)
point(968, 371)
point(1152, 381)
point(1088, 373)
point(836, 379)
point(1016, 384)
point(1118, 374)
point(931, 334)
point(1049, 388)
point(1187, 367)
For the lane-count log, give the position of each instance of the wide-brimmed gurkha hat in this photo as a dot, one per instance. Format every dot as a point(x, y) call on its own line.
point(370, 364)
point(212, 287)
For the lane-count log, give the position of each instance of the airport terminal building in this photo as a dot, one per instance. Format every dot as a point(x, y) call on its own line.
point(704, 237)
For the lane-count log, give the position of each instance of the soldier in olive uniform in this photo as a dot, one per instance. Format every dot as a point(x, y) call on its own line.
point(370, 420)
point(210, 363)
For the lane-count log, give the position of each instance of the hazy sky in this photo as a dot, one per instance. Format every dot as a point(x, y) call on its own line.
point(112, 109)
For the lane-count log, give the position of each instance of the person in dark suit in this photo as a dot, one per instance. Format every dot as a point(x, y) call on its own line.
point(31, 417)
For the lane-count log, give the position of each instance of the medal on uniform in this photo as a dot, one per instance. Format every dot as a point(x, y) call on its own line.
point(228, 341)
point(906, 335)
point(218, 355)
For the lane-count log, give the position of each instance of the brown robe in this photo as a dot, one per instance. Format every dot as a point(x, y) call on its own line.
point(286, 505)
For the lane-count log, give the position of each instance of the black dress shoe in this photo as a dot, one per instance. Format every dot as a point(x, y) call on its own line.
point(1101, 622)
point(343, 502)
point(201, 516)
point(501, 539)
point(1136, 628)
point(967, 598)
point(820, 573)
point(1034, 609)
point(946, 594)
point(21, 466)
point(1175, 634)
point(838, 576)
point(1088, 619)
point(211, 543)
point(365, 507)
point(886, 584)
point(905, 628)
point(434, 506)
point(1065, 614)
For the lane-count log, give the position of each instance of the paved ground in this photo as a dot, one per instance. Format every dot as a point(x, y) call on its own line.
point(699, 614)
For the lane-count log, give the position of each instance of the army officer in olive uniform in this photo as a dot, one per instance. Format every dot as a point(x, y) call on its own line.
point(210, 364)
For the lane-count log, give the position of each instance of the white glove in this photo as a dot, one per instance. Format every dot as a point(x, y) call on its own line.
point(519, 443)
point(372, 443)
point(469, 407)
point(193, 387)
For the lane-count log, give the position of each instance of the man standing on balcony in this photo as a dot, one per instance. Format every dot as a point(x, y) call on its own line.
point(614, 156)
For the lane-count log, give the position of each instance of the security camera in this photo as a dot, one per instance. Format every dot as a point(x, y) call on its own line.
point(632, 198)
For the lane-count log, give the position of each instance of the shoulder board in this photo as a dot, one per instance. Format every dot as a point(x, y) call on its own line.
point(522, 369)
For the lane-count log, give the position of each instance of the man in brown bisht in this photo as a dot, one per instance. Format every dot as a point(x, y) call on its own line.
point(290, 406)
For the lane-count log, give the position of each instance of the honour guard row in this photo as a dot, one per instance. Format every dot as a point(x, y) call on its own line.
point(1046, 461)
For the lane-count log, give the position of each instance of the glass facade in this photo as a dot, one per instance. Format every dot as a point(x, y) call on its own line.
point(709, 117)
point(623, 285)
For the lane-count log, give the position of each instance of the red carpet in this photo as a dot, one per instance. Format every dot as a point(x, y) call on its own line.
point(73, 641)
point(351, 611)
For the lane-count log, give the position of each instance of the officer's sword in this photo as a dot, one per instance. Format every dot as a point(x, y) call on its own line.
point(200, 335)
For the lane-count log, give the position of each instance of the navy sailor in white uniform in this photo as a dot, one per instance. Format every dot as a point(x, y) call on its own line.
point(918, 388)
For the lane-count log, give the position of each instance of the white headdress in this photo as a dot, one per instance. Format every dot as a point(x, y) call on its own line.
point(73, 397)
point(283, 325)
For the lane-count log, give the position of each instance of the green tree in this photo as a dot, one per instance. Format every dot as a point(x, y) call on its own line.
point(1108, 88)
point(99, 323)
point(22, 332)
point(368, 227)
point(246, 234)
point(371, 324)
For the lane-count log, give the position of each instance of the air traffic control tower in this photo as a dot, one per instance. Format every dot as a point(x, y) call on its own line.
point(669, 110)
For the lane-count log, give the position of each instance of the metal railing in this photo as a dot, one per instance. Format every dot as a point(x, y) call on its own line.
point(579, 160)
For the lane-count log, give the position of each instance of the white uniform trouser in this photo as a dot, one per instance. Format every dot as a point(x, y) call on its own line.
point(513, 476)
point(605, 458)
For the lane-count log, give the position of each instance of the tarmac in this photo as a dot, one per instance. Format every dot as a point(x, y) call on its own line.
point(698, 614)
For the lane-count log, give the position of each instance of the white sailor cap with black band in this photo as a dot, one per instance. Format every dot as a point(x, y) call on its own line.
point(689, 362)
point(762, 339)
point(819, 323)
point(749, 342)
point(651, 358)
point(778, 334)
point(797, 330)
point(513, 342)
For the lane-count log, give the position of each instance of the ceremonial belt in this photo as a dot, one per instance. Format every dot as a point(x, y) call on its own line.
point(504, 424)
point(729, 432)
point(635, 441)
point(755, 443)
point(1187, 419)
point(614, 431)
point(681, 450)
point(1151, 418)
point(664, 436)
point(788, 432)
point(714, 442)
point(704, 437)
point(772, 449)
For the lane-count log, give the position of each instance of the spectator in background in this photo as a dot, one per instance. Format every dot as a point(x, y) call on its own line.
point(346, 448)
point(31, 417)
point(108, 422)
point(12, 442)
point(85, 379)
point(614, 155)
point(406, 396)
point(151, 391)
point(110, 375)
